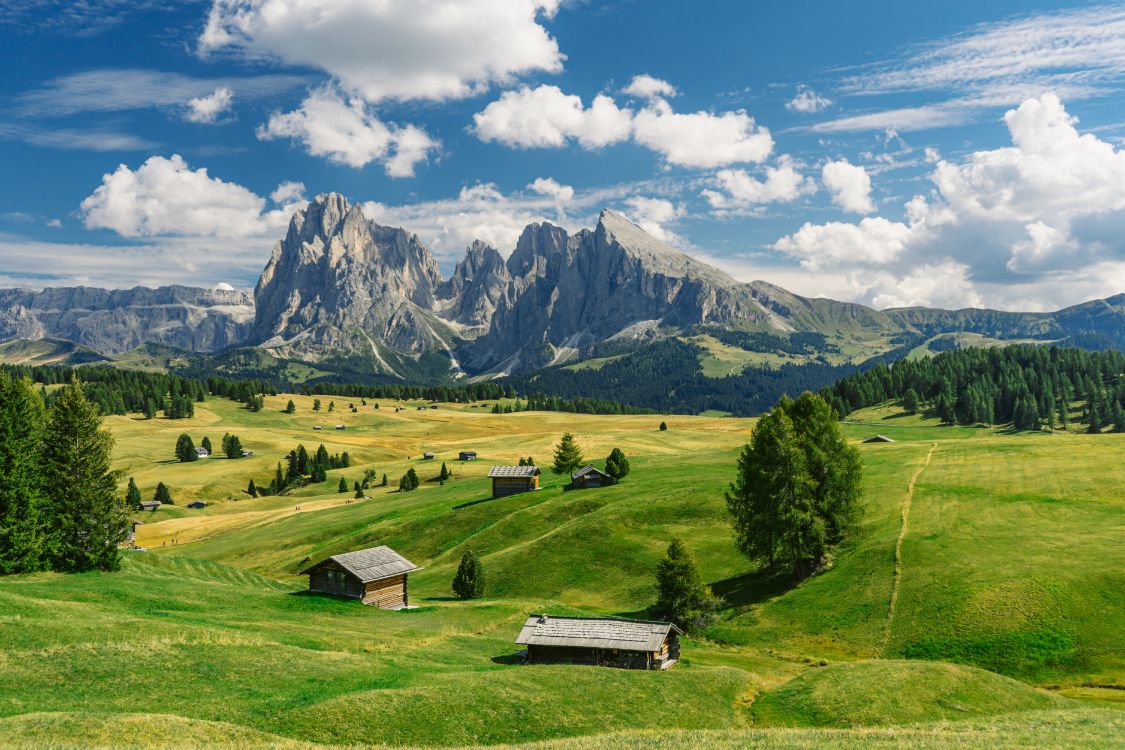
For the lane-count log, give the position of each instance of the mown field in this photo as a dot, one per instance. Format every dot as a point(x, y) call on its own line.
point(997, 623)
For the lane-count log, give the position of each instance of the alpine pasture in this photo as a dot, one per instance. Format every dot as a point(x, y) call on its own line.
point(977, 606)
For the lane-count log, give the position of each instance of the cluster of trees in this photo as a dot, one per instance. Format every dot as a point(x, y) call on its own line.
point(580, 405)
point(529, 461)
point(59, 507)
point(797, 488)
point(409, 481)
point(460, 394)
point(133, 497)
point(186, 451)
point(1030, 387)
point(117, 391)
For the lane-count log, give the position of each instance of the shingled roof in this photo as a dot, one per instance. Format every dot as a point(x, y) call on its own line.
point(589, 469)
point(604, 633)
point(514, 471)
point(371, 564)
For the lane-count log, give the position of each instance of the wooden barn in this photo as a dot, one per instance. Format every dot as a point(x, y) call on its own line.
point(603, 642)
point(467, 456)
point(588, 476)
point(197, 504)
point(512, 480)
point(879, 439)
point(428, 456)
point(376, 576)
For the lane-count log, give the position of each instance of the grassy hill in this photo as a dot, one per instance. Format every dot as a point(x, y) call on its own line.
point(1010, 562)
point(30, 353)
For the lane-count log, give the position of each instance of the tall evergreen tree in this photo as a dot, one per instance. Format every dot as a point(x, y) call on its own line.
point(291, 407)
point(163, 495)
point(681, 595)
point(468, 582)
point(252, 489)
point(206, 445)
point(21, 478)
point(185, 448)
point(617, 465)
point(87, 520)
point(568, 456)
point(133, 495)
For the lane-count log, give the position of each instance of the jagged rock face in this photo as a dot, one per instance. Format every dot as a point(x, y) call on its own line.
point(472, 293)
point(339, 283)
point(115, 321)
point(569, 291)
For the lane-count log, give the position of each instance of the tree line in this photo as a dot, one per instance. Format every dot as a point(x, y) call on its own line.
point(59, 507)
point(1030, 387)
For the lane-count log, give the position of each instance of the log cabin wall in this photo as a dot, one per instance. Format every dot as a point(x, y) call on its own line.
point(504, 486)
point(387, 593)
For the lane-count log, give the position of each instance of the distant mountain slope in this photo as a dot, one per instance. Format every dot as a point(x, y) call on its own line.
point(32, 353)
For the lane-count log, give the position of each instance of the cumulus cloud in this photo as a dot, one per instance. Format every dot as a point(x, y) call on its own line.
point(807, 101)
point(206, 109)
point(646, 87)
point(393, 49)
point(849, 185)
point(1003, 224)
point(165, 196)
point(347, 132)
point(738, 190)
point(653, 215)
point(288, 193)
point(545, 117)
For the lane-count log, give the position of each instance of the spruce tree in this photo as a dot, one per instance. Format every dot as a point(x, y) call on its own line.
point(568, 456)
point(291, 407)
point(252, 489)
point(910, 401)
point(617, 465)
point(87, 520)
point(232, 446)
point(133, 495)
point(163, 495)
point(444, 472)
point(316, 404)
point(663, 426)
point(343, 486)
point(384, 480)
point(358, 492)
point(681, 595)
point(206, 444)
point(21, 477)
point(185, 449)
point(468, 583)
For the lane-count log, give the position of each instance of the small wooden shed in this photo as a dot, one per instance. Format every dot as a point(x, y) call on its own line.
point(197, 504)
point(512, 480)
point(376, 576)
point(428, 456)
point(589, 476)
point(604, 642)
point(879, 439)
point(150, 504)
point(467, 456)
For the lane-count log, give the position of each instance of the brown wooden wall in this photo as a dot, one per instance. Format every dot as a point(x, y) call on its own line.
point(504, 486)
point(387, 593)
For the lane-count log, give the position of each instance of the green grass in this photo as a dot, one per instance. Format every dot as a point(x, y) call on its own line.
point(1011, 563)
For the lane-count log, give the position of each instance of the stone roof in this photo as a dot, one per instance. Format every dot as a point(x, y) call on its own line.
point(371, 564)
point(604, 633)
point(514, 471)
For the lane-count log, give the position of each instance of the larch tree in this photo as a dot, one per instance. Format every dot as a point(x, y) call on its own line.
point(87, 520)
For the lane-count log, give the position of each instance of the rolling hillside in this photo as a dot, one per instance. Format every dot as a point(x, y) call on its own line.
point(999, 619)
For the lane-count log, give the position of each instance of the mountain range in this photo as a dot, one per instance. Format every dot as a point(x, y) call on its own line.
point(345, 294)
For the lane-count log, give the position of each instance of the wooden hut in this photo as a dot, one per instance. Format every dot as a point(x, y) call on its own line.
point(467, 456)
point(150, 505)
point(878, 439)
point(512, 480)
point(588, 476)
point(604, 642)
point(197, 504)
point(428, 456)
point(376, 576)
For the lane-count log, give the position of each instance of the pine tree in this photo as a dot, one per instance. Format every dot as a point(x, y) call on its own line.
point(358, 491)
point(232, 446)
point(681, 595)
point(278, 481)
point(163, 495)
point(384, 480)
point(617, 465)
point(568, 456)
point(150, 409)
point(291, 407)
point(468, 583)
point(444, 472)
point(133, 495)
point(252, 489)
point(206, 444)
point(185, 449)
point(87, 519)
point(910, 401)
point(302, 460)
point(663, 426)
point(316, 404)
point(21, 477)
point(343, 486)
point(322, 455)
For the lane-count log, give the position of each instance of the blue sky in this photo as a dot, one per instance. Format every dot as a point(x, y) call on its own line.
point(950, 154)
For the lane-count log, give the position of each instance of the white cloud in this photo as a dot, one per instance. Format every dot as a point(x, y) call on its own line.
point(872, 241)
point(393, 49)
point(545, 117)
point(807, 101)
point(288, 193)
point(550, 187)
point(206, 109)
point(945, 284)
point(849, 186)
point(646, 87)
point(653, 214)
point(166, 197)
point(783, 184)
point(349, 133)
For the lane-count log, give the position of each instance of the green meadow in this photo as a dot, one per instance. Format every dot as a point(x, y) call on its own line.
point(978, 605)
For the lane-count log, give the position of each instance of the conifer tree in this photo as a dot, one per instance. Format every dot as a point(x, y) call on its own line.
point(568, 456)
point(232, 446)
point(185, 449)
point(206, 444)
point(910, 401)
point(316, 404)
point(358, 491)
point(617, 465)
point(291, 407)
point(133, 495)
point(384, 480)
point(468, 583)
point(302, 460)
point(681, 595)
point(21, 480)
point(163, 495)
point(444, 472)
point(278, 481)
point(252, 489)
point(343, 486)
point(663, 426)
point(87, 520)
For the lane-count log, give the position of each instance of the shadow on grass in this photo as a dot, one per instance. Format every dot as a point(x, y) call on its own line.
point(471, 503)
point(509, 659)
point(441, 599)
point(754, 588)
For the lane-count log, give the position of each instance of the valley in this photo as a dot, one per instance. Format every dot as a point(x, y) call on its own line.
point(1005, 623)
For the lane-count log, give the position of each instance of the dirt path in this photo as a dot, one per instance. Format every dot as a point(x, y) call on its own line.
point(906, 503)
